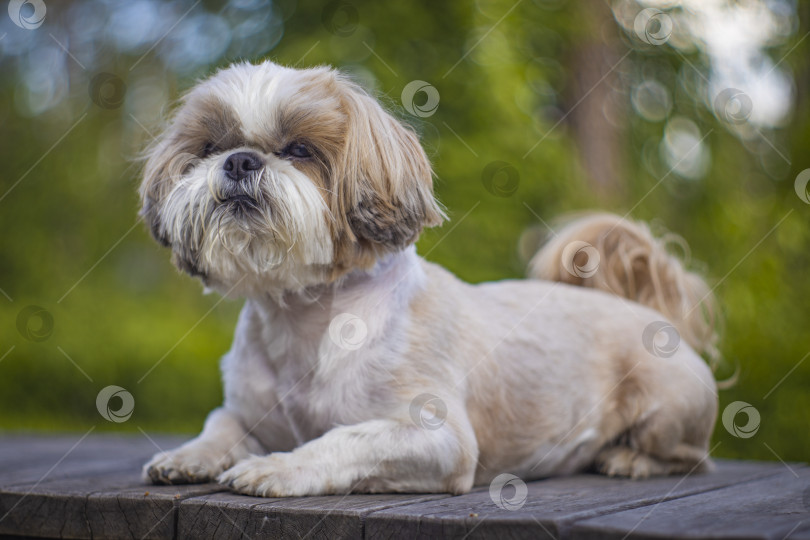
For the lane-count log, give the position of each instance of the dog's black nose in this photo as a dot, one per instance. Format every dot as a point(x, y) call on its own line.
point(238, 166)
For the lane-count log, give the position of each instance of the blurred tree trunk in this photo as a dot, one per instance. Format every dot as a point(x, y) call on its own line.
point(593, 77)
point(799, 132)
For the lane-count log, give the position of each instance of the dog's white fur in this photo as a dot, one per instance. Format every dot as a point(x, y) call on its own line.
point(359, 366)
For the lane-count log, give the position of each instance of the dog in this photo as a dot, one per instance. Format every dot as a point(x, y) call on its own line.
point(358, 366)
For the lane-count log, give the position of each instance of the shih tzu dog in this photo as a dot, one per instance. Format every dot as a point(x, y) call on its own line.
point(358, 366)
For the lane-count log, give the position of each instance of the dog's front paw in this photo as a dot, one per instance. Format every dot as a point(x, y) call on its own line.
point(185, 465)
point(281, 474)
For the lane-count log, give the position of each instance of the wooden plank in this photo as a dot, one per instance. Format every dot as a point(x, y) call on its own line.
point(27, 459)
point(106, 505)
point(14, 447)
point(775, 508)
point(29, 452)
point(226, 515)
point(140, 512)
point(76, 467)
point(95, 491)
point(53, 508)
point(552, 506)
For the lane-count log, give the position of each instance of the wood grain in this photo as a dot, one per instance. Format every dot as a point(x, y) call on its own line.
point(552, 506)
point(54, 487)
point(770, 508)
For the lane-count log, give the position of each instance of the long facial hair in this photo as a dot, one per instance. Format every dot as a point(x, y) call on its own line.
point(365, 192)
point(271, 219)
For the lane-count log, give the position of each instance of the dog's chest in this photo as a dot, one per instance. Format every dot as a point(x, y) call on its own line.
point(289, 397)
point(299, 370)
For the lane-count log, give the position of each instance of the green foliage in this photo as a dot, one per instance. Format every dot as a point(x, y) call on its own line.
point(70, 242)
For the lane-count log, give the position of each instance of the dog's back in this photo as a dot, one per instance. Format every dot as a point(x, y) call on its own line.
point(607, 252)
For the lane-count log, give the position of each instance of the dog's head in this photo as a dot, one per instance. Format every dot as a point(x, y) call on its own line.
point(275, 179)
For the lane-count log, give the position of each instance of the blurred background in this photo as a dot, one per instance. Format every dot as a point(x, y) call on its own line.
point(690, 114)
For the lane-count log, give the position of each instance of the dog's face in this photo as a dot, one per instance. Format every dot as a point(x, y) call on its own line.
point(271, 179)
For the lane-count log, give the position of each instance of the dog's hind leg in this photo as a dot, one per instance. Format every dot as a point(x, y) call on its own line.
point(672, 440)
point(636, 463)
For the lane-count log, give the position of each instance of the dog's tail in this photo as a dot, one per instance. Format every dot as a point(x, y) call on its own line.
point(623, 257)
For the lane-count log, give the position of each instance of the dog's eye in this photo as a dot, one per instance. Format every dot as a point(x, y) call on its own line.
point(209, 149)
point(298, 150)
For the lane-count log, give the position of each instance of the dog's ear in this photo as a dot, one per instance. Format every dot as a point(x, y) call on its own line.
point(153, 186)
point(165, 159)
point(386, 177)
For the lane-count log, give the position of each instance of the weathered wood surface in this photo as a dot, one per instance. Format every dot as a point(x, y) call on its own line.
point(54, 487)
